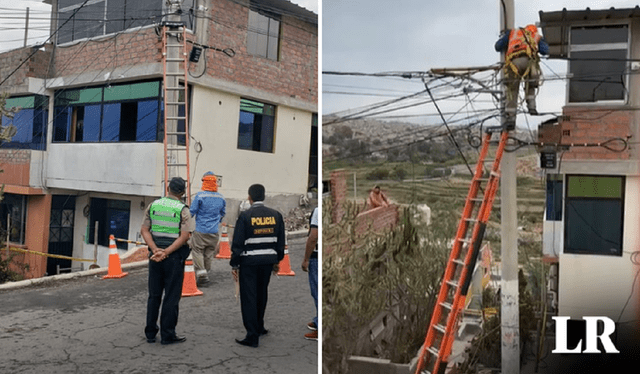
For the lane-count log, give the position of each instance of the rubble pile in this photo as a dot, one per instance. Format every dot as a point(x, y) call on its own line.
point(298, 218)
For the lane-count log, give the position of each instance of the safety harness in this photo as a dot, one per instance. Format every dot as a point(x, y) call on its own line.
point(523, 43)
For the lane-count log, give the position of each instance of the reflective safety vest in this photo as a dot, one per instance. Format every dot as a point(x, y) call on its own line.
point(522, 42)
point(165, 216)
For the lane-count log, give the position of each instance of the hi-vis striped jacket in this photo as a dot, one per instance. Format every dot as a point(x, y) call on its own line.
point(259, 237)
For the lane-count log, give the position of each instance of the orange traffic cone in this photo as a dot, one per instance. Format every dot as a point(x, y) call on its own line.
point(225, 249)
point(115, 271)
point(189, 287)
point(285, 264)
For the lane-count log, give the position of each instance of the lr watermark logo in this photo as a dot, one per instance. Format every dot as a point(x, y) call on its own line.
point(591, 336)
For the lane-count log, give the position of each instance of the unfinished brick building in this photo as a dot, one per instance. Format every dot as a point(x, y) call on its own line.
point(89, 142)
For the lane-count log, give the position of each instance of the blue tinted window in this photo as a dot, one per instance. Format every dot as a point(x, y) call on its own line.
point(111, 126)
point(61, 124)
point(147, 121)
point(245, 132)
point(91, 124)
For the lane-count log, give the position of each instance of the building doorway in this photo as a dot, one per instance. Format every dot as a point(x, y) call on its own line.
point(61, 233)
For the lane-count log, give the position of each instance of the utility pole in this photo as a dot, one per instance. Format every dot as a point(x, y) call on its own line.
point(26, 28)
point(510, 313)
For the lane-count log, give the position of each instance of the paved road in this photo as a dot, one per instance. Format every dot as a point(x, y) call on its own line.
point(91, 325)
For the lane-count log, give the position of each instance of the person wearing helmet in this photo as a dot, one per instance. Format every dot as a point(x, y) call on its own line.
point(522, 47)
point(208, 208)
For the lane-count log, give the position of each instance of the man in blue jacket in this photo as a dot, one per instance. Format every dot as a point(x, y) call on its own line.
point(208, 208)
point(522, 47)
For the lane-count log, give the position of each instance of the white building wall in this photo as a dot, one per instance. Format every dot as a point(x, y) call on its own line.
point(592, 285)
point(81, 246)
point(127, 168)
point(215, 118)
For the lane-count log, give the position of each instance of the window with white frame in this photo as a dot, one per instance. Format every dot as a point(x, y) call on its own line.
point(598, 63)
point(594, 215)
point(263, 34)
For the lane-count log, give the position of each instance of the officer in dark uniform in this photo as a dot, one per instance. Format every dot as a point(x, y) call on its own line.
point(166, 229)
point(257, 249)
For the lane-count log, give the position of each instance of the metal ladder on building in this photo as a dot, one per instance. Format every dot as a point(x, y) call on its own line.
point(436, 349)
point(176, 109)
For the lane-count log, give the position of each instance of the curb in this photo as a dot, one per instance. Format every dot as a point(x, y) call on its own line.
point(44, 280)
point(77, 274)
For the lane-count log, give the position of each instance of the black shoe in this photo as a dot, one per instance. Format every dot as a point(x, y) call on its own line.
point(247, 343)
point(173, 340)
point(151, 340)
point(203, 282)
point(264, 332)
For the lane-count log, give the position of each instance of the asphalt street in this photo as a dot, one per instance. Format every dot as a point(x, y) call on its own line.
point(95, 325)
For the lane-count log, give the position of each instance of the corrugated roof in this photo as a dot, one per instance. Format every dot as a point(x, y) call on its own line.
point(556, 25)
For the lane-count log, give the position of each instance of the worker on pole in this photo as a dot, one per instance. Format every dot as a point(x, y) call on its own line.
point(522, 63)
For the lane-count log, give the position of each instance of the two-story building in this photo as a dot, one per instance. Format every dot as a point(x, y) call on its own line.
point(89, 143)
point(591, 223)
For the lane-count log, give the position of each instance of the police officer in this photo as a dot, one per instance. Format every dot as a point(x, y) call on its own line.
point(257, 249)
point(166, 229)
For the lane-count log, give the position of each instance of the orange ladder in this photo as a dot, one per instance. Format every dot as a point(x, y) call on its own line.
point(176, 109)
point(436, 349)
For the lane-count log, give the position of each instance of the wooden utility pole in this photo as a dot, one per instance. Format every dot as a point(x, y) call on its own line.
point(510, 313)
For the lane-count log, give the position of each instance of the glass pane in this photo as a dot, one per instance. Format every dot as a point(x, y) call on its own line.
point(245, 130)
point(111, 123)
point(251, 106)
point(23, 121)
point(56, 217)
point(554, 200)
point(132, 91)
point(54, 235)
point(591, 186)
point(147, 121)
point(66, 219)
point(599, 34)
point(597, 76)
point(61, 124)
point(40, 120)
point(266, 134)
point(594, 226)
point(90, 123)
point(71, 97)
point(22, 102)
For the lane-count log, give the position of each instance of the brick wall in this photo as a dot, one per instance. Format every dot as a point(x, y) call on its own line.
point(15, 166)
point(294, 75)
point(35, 67)
point(131, 48)
point(377, 220)
point(367, 223)
point(590, 126)
point(338, 194)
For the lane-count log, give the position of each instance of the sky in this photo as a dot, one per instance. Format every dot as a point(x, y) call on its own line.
point(416, 35)
point(13, 15)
